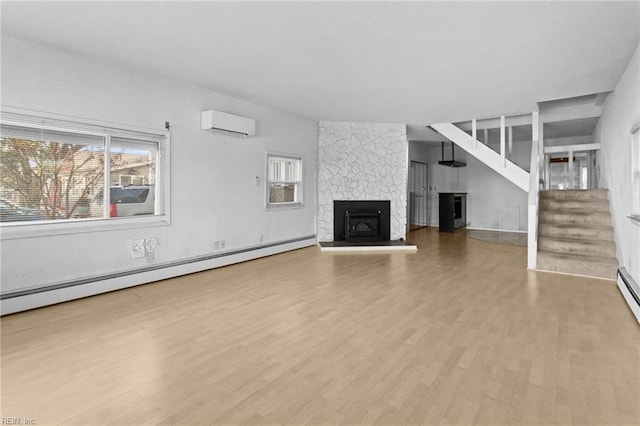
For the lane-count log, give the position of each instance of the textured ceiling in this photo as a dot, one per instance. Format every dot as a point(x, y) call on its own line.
point(402, 62)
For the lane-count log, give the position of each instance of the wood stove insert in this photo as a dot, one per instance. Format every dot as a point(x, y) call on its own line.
point(362, 221)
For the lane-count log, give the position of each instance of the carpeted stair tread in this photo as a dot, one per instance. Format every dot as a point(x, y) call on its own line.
point(594, 266)
point(577, 246)
point(572, 217)
point(560, 230)
point(573, 205)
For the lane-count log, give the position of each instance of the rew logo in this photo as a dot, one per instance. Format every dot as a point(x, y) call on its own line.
point(17, 421)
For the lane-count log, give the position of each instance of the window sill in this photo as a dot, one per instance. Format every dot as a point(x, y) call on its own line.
point(13, 231)
point(284, 206)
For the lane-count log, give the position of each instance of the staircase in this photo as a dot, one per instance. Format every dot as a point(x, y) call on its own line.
point(569, 230)
point(575, 234)
point(482, 152)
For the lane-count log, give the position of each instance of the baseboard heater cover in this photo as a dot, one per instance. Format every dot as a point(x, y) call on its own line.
point(155, 268)
point(630, 291)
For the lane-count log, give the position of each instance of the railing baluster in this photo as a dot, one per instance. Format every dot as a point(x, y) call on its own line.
point(510, 153)
point(474, 132)
point(502, 148)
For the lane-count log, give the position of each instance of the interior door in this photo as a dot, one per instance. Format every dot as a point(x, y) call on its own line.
point(418, 195)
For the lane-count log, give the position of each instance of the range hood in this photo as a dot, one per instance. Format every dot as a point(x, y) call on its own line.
point(452, 162)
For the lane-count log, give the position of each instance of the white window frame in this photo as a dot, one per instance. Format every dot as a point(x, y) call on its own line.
point(635, 172)
point(46, 121)
point(299, 197)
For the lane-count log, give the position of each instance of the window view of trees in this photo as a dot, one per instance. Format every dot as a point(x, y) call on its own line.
point(53, 179)
point(48, 174)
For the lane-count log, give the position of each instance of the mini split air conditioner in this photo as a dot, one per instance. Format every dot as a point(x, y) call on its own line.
point(216, 120)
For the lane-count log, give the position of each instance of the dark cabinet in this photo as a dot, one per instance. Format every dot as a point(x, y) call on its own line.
point(453, 211)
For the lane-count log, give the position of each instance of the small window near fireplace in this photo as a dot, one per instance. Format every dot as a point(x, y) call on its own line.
point(284, 180)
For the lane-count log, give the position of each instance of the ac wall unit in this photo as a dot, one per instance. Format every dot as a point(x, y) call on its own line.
point(216, 120)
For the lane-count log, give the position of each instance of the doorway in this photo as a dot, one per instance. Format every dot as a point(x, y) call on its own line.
point(571, 170)
point(418, 195)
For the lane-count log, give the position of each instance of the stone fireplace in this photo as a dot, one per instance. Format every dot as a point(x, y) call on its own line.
point(361, 161)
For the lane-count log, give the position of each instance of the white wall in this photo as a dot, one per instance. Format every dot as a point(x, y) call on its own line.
point(213, 190)
point(621, 111)
point(362, 161)
point(492, 201)
point(419, 151)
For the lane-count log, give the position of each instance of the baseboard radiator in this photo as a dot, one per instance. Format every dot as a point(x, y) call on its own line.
point(26, 299)
point(630, 291)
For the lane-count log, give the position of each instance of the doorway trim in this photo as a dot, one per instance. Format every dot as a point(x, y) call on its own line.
point(411, 185)
point(569, 150)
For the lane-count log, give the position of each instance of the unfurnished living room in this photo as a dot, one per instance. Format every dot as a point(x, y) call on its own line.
point(327, 213)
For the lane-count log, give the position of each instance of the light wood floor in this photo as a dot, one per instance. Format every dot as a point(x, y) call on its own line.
point(517, 238)
point(458, 333)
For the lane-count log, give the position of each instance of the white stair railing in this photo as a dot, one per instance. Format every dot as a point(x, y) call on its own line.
point(496, 161)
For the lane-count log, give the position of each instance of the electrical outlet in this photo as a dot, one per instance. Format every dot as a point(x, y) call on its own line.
point(222, 244)
point(261, 238)
point(216, 245)
point(137, 248)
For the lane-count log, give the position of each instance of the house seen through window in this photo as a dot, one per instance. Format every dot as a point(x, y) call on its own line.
point(284, 180)
point(47, 173)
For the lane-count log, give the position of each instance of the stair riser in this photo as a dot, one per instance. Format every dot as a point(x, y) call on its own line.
point(548, 262)
point(575, 195)
point(604, 249)
point(596, 218)
point(579, 206)
point(577, 232)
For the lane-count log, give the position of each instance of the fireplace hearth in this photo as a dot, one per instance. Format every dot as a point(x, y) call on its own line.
point(361, 221)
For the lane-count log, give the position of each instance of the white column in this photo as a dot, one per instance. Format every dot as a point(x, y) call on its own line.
point(532, 220)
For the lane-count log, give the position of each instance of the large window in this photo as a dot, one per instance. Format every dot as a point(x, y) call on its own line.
point(635, 171)
point(53, 170)
point(284, 180)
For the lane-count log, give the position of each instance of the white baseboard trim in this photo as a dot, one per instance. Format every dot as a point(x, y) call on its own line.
point(63, 292)
point(514, 231)
point(630, 291)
